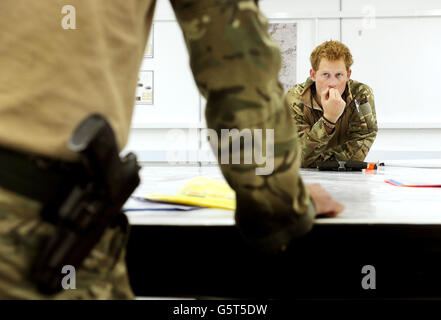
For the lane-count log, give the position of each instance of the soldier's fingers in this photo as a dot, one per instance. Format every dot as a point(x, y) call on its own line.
point(331, 94)
point(339, 97)
point(325, 94)
point(334, 93)
point(338, 207)
point(334, 209)
point(333, 205)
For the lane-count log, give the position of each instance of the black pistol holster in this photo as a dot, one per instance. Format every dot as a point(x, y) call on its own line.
point(89, 206)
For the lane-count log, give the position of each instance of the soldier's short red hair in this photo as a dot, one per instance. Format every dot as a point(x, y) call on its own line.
point(333, 51)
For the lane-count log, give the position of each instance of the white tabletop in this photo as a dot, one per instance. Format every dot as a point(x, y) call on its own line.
point(366, 197)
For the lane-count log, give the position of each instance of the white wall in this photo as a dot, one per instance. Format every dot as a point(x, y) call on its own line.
point(395, 44)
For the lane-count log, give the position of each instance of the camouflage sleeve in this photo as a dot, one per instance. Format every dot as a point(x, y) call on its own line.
point(361, 134)
point(235, 64)
point(313, 139)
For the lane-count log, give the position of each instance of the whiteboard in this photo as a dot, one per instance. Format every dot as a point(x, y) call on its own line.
point(399, 59)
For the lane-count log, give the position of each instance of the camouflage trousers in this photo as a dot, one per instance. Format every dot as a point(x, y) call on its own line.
point(103, 274)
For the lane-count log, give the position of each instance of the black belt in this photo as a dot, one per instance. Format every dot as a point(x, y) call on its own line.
point(37, 177)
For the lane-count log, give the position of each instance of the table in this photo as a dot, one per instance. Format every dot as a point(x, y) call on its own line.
point(397, 230)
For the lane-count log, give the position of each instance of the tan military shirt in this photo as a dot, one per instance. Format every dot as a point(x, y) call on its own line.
point(51, 78)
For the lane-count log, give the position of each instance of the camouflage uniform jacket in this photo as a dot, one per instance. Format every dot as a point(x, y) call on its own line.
point(355, 130)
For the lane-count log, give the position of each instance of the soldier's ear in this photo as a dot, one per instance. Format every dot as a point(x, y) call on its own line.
point(312, 74)
point(349, 73)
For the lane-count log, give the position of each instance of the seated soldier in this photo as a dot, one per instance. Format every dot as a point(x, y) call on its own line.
point(335, 115)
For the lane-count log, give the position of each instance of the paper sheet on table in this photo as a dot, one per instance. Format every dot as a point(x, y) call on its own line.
point(136, 203)
point(414, 183)
point(201, 191)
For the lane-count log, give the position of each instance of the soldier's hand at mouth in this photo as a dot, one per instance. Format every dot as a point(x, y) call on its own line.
point(333, 104)
point(325, 204)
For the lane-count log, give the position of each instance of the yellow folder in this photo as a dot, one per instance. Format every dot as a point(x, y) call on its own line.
point(201, 191)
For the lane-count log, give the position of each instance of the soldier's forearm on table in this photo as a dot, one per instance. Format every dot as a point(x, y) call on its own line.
point(352, 150)
point(310, 160)
point(356, 149)
point(243, 93)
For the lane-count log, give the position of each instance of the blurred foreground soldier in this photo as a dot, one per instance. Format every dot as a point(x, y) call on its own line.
point(52, 78)
point(335, 115)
